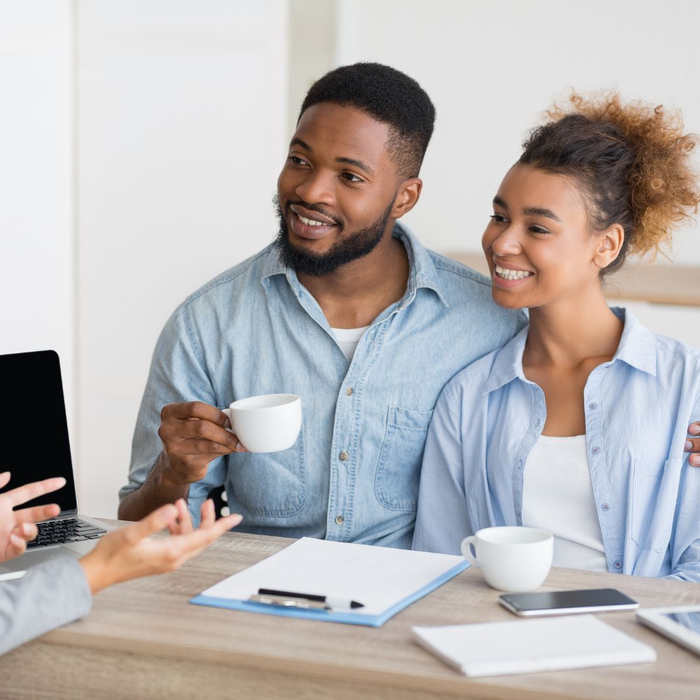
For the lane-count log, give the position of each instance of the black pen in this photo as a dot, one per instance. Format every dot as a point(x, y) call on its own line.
point(330, 601)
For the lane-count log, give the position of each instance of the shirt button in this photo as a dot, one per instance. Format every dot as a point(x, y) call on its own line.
point(608, 366)
point(349, 391)
point(537, 422)
point(596, 450)
point(606, 506)
point(343, 456)
point(339, 519)
point(593, 406)
point(618, 564)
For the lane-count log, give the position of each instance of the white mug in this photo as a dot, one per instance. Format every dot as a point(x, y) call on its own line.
point(515, 559)
point(267, 423)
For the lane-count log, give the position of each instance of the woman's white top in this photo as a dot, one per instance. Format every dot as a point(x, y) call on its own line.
point(558, 498)
point(348, 338)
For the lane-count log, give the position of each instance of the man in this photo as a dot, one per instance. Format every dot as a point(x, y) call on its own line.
point(60, 590)
point(346, 309)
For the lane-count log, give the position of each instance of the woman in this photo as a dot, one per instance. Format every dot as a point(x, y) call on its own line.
point(578, 425)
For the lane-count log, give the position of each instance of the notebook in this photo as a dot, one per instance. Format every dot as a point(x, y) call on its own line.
point(527, 646)
point(383, 579)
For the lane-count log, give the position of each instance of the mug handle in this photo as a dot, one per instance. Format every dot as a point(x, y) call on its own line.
point(466, 546)
point(227, 411)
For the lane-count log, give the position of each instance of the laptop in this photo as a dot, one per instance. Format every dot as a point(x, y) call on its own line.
point(35, 446)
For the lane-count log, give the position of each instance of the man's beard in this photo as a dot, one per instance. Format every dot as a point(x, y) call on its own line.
point(342, 252)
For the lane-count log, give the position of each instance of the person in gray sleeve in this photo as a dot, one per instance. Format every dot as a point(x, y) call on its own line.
point(61, 589)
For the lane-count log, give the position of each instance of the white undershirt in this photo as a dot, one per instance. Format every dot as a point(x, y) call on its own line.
point(558, 498)
point(348, 338)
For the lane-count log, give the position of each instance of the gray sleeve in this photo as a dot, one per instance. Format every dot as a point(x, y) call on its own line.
point(50, 595)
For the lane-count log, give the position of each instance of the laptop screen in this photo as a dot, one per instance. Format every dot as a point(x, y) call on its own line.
point(33, 419)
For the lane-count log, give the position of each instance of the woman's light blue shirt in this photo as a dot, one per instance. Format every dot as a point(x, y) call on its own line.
point(637, 406)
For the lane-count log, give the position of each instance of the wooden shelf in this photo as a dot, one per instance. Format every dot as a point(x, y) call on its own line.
point(656, 283)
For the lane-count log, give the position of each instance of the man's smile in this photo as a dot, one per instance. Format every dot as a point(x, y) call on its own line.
point(309, 224)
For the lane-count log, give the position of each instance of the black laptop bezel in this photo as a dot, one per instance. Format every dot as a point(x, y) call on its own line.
point(33, 383)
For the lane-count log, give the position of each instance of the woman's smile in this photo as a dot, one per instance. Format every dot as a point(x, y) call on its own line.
point(507, 276)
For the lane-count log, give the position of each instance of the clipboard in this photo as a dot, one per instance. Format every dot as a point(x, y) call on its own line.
point(385, 580)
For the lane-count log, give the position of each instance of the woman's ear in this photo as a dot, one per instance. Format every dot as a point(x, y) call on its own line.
point(609, 246)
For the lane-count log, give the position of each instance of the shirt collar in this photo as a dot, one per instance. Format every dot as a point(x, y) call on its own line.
point(274, 264)
point(508, 363)
point(638, 345)
point(637, 348)
point(422, 272)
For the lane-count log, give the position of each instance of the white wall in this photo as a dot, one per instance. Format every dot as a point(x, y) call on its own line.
point(36, 181)
point(308, 59)
point(141, 141)
point(182, 114)
point(493, 67)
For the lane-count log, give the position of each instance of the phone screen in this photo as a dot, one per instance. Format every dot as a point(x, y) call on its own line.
point(557, 600)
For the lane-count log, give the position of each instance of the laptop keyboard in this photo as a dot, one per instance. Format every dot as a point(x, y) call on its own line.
point(60, 531)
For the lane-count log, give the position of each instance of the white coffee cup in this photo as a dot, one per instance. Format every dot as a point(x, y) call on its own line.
point(267, 423)
point(515, 559)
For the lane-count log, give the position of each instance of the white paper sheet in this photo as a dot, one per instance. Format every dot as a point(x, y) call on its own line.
point(378, 577)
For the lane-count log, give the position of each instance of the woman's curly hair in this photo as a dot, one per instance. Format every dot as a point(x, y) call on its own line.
point(632, 161)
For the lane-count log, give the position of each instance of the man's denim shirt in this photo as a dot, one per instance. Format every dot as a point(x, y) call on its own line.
point(353, 473)
point(638, 408)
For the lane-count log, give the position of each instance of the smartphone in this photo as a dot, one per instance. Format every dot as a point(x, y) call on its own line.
point(567, 602)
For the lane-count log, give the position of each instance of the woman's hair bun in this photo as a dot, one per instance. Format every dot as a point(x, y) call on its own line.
point(632, 160)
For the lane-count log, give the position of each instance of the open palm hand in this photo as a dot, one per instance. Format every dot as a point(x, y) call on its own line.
point(130, 552)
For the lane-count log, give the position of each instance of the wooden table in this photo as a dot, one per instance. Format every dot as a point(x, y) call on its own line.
point(143, 640)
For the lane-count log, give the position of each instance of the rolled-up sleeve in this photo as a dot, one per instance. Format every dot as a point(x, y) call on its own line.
point(49, 596)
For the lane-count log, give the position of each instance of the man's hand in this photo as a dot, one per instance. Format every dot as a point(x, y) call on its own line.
point(692, 444)
point(130, 552)
point(193, 435)
point(17, 526)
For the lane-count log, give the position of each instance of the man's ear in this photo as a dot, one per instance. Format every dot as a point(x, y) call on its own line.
point(407, 196)
point(609, 246)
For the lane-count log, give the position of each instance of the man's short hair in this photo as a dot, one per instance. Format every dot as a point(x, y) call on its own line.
point(389, 96)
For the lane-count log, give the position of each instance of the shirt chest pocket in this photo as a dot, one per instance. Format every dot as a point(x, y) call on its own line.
point(398, 470)
point(653, 503)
